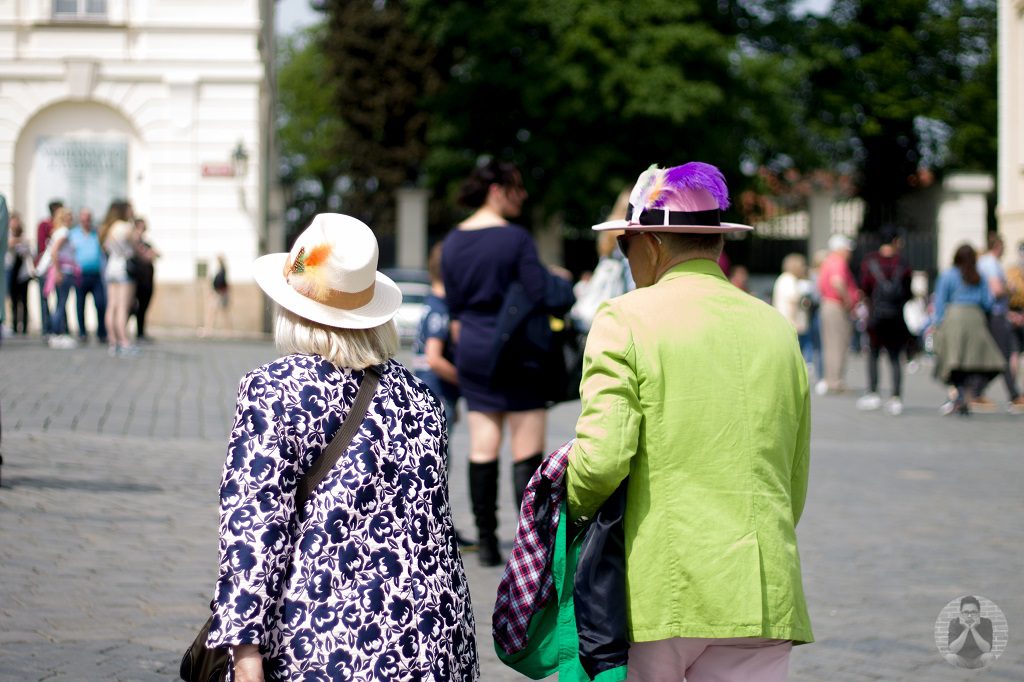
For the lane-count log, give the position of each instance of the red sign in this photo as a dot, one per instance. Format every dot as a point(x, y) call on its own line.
point(218, 170)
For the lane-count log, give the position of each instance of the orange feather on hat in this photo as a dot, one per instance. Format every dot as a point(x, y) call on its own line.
point(318, 255)
point(309, 279)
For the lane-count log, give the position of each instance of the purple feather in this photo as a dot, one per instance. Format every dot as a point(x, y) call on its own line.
point(695, 175)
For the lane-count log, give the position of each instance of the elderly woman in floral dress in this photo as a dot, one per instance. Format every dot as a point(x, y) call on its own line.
point(368, 584)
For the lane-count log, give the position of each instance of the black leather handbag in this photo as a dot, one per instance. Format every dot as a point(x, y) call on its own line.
point(202, 664)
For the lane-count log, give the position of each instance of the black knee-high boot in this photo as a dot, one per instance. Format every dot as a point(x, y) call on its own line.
point(522, 472)
point(483, 495)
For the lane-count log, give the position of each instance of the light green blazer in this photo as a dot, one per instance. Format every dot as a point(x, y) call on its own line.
point(697, 391)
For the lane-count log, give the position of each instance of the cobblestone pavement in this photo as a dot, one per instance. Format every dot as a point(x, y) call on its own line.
point(108, 518)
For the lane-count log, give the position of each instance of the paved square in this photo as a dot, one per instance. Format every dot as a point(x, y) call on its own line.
point(108, 512)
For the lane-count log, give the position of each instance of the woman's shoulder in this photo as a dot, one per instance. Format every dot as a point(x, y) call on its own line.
point(294, 369)
point(395, 374)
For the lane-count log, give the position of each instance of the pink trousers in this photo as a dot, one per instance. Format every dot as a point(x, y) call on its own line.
point(738, 659)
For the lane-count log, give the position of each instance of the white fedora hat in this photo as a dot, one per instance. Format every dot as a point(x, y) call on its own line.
point(687, 198)
point(330, 276)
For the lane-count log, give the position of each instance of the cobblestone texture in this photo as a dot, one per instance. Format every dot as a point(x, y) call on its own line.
point(108, 518)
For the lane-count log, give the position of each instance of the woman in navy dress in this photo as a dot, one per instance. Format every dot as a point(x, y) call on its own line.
point(368, 585)
point(481, 259)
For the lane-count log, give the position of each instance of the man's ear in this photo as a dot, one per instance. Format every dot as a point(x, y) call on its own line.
point(652, 242)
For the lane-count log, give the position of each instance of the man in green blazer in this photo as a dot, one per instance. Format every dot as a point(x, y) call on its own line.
point(698, 393)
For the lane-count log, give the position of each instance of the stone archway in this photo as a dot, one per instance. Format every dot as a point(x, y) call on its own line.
point(84, 153)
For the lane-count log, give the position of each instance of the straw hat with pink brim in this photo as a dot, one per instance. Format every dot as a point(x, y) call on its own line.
point(330, 276)
point(687, 199)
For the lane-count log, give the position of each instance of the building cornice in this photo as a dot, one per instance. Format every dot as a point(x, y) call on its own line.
point(135, 26)
point(150, 72)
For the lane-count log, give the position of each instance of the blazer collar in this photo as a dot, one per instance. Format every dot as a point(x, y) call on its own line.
point(698, 266)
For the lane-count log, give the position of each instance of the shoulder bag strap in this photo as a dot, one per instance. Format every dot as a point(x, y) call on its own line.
point(329, 457)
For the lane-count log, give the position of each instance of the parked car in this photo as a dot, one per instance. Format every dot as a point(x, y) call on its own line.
point(415, 285)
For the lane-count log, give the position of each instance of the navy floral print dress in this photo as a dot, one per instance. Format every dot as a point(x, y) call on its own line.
point(371, 585)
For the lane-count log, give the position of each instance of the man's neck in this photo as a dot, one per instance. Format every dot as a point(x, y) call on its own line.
point(679, 260)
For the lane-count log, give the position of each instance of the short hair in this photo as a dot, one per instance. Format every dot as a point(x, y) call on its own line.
point(970, 600)
point(703, 244)
point(994, 240)
point(473, 192)
point(434, 264)
point(795, 264)
point(54, 205)
point(348, 348)
point(888, 234)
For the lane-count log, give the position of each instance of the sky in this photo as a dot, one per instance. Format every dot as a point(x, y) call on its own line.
point(293, 15)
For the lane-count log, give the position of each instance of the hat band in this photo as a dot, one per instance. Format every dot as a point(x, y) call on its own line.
point(654, 217)
point(343, 300)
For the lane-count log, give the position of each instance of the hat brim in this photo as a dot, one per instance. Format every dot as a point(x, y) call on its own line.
point(683, 229)
point(387, 297)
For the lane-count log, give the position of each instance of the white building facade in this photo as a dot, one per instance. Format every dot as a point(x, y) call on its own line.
point(1010, 212)
point(167, 103)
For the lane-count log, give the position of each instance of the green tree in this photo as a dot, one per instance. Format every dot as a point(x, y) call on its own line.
point(381, 71)
point(585, 94)
point(887, 90)
point(307, 124)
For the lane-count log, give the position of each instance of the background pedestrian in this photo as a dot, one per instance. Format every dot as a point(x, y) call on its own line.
point(90, 259)
point(990, 267)
point(117, 239)
point(434, 356)
point(145, 256)
point(966, 355)
point(610, 278)
point(885, 280)
point(4, 239)
point(483, 259)
point(1015, 285)
point(791, 296)
point(43, 231)
point(839, 297)
point(60, 271)
point(19, 273)
point(218, 302)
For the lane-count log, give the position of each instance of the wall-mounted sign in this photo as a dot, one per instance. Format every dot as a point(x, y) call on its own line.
point(218, 170)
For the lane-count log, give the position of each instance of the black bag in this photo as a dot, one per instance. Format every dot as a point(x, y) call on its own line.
point(132, 268)
point(888, 296)
point(202, 664)
point(527, 349)
point(565, 363)
point(599, 588)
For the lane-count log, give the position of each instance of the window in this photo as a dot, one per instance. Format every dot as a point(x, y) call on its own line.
point(79, 9)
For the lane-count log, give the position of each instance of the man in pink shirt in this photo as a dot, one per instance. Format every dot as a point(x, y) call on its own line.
point(839, 296)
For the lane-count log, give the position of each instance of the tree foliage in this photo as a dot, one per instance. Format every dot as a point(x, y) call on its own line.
point(307, 124)
point(382, 71)
point(584, 94)
point(887, 90)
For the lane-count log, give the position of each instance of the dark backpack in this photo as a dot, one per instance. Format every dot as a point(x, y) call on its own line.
point(888, 297)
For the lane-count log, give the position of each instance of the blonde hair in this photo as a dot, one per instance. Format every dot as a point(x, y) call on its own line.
point(350, 348)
